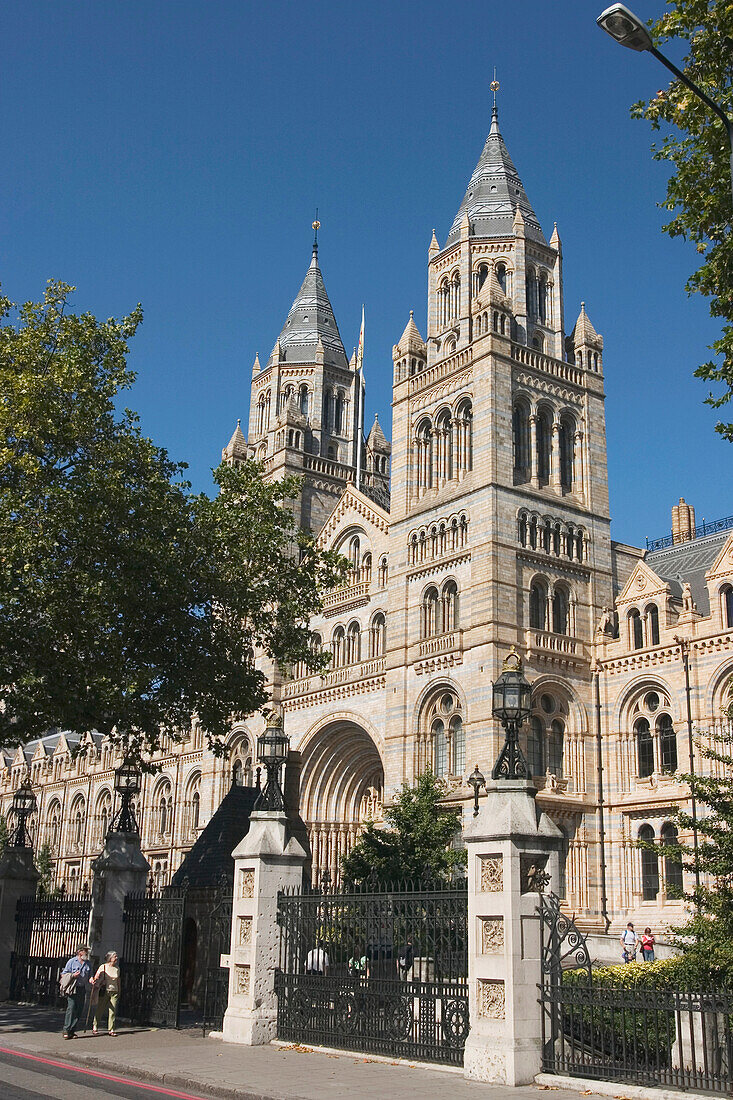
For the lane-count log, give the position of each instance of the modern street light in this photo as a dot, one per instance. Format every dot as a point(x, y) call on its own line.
point(628, 30)
point(512, 705)
point(22, 806)
point(272, 751)
point(127, 784)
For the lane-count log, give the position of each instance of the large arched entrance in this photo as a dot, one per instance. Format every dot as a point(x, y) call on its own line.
point(342, 780)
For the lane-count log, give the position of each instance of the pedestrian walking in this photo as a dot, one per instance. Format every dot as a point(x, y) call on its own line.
point(405, 959)
point(74, 983)
point(629, 943)
point(106, 984)
point(317, 961)
point(647, 946)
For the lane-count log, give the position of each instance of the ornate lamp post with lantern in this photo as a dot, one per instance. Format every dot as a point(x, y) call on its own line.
point(23, 805)
point(272, 751)
point(512, 705)
point(127, 784)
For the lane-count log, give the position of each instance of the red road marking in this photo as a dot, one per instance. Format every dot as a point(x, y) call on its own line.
point(101, 1076)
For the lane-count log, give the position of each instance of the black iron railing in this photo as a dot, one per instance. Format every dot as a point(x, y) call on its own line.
point(701, 530)
point(48, 932)
point(378, 970)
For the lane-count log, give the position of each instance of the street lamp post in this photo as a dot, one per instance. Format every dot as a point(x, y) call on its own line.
point(628, 30)
point(272, 751)
point(476, 781)
point(512, 705)
point(127, 784)
point(22, 806)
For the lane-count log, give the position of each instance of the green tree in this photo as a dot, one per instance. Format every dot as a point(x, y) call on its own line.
point(43, 860)
point(128, 604)
point(699, 189)
point(706, 938)
point(4, 834)
point(415, 845)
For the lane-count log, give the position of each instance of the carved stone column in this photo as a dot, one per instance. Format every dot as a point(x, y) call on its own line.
point(511, 847)
point(18, 879)
point(120, 869)
point(556, 472)
point(533, 451)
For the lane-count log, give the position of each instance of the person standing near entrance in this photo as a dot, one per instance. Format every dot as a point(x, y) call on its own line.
point(73, 985)
point(629, 943)
point(106, 984)
point(647, 946)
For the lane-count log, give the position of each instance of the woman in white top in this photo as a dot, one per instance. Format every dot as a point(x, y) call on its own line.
point(106, 983)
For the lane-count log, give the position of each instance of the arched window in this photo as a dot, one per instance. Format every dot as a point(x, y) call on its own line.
point(667, 743)
point(238, 773)
point(338, 647)
point(544, 444)
point(672, 862)
point(383, 571)
point(652, 618)
point(636, 632)
point(482, 275)
point(464, 456)
point(538, 606)
point(353, 644)
point(444, 727)
point(560, 611)
point(366, 567)
point(520, 422)
point(104, 813)
point(440, 747)
point(535, 746)
point(458, 744)
point(54, 826)
point(355, 556)
point(444, 444)
point(78, 814)
point(644, 747)
point(377, 635)
point(195, 809)
point(303, 400)
point(726, 599)
point(649, 866)
point(567, 436)
point(501, 276)
point(522, 528)
point(450, 606)
point(424, 455)
point(165, 810)
point(430, 625)
point(555, 747)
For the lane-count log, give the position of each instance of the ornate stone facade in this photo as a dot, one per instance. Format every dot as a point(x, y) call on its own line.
point(485, 524)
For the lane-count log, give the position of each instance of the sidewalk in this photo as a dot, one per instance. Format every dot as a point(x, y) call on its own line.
point(184, 1059)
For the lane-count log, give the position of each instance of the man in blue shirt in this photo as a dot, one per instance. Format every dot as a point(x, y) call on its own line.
point(75, 988)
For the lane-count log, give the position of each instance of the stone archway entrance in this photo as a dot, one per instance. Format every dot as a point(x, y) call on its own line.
point(342, 780)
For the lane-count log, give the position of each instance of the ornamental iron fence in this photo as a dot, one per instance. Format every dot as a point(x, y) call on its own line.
point(625, 1031)
point(150, 966)
point(378, 970)
point(48, 932)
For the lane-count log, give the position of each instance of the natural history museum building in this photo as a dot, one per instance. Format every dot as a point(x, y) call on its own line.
point(483, 525)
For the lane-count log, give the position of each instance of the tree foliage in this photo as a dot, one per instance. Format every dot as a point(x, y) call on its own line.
point(43, 860)
point(4, 834)
point(415, 845)
point(699, 190)
point(127, 603)
point(706, 938)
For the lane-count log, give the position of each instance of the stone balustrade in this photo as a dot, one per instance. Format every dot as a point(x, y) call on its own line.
point(342, 598)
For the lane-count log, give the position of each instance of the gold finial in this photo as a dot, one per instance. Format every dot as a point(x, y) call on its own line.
point(315, 225)
point(494, 85)
point(512, 661)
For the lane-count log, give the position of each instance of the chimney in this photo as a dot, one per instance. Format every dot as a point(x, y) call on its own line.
point(683, 522)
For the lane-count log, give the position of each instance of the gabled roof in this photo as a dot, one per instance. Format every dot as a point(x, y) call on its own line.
point(210, 859)
point(311, 318)
point(493, 194)
point(354, 501)
point(689, 561)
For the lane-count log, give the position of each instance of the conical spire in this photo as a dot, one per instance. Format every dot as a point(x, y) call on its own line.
point(377, 440)
point(584, 333)
point(411, 340)
point(494, 192)
point(311, 322)
point(237, 445)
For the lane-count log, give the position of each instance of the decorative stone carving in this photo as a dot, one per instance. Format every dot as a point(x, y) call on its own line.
point(533, 876)
point(241, 980)
point(244, 938)
point(491, 999)
point(492, 874)
point(492, 935)
point(246, 882)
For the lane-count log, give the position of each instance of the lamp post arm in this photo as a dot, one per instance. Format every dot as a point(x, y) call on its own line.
point(714, 107)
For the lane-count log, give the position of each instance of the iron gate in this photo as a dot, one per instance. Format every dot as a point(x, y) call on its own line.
point(637, 1031)
point(365, 999)
point(48, 932)
point(218, 938)
point(151, 957)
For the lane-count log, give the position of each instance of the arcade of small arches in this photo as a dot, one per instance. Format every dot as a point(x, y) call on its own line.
point(442, 537)
point(650, 861)
point(553, 536)
point(552, 606)
point(654, 735)
point(643, 626)
point(443, 447)
point(439, 609)
point(547, 446)
point(347, 642)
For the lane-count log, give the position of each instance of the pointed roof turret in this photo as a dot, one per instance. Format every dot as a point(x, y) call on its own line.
point(237, 445)
point(584, 333)
point(311, 325)
point(494, 192)
point(377, 440)
point(411, 340)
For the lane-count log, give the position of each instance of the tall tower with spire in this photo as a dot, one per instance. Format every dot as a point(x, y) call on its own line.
point(303, 408)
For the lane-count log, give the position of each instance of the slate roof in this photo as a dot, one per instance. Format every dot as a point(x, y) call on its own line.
point(311, 317)
point(689, 561)
point(210, 859)
point(493, 194)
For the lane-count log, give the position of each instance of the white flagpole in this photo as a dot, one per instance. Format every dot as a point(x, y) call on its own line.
point(360, 400)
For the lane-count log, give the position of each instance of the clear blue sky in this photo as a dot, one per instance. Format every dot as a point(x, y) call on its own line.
point(173, 153)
